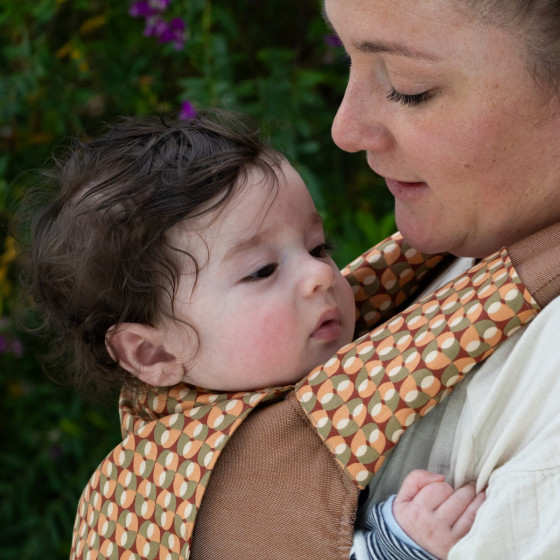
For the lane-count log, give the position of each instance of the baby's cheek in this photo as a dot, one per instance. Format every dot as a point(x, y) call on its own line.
point(274, 332)
point(267, 338)
point(264, 350)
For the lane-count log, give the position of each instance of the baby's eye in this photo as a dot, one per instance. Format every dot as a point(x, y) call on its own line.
point(261, 273)
point(322, 251)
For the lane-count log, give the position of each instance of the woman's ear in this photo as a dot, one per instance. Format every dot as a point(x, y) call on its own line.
point(140, 349)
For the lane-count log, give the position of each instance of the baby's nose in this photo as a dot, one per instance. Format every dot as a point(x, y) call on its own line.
point(317, 275)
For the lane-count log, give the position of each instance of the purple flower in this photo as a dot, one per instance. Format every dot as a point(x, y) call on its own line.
point(148, 8)
point(155, 26)
point(332, 40)
point(141, 9)
point(174, 32)
point(166, 31)
point(9, 345)
point(188, 111)
point(159, 5)
point(17, 348)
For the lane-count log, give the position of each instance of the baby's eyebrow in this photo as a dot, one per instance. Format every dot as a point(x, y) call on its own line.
point(243, 246)
point(315, 218)
point(260, 237)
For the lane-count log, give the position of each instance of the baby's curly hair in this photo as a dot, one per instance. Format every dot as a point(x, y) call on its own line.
point(99, 251)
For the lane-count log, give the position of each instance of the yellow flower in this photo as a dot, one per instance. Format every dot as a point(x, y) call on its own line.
point(6, 258)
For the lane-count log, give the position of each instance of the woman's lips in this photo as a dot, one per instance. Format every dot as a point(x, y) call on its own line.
point(404, 190)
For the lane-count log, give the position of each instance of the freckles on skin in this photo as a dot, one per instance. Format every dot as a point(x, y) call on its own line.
point(486, 146)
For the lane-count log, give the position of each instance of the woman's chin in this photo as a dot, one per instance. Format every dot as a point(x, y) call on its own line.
point(419, 233)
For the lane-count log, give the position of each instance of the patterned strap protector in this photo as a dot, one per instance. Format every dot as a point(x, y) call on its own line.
point(143, 499)
point(385, 277)
point(362, 400)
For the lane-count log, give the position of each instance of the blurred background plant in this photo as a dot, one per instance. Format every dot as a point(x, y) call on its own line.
point(66, 67)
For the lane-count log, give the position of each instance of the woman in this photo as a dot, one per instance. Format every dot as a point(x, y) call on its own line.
point(456, 104)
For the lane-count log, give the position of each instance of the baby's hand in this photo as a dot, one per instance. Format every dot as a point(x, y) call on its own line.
point(434, 515)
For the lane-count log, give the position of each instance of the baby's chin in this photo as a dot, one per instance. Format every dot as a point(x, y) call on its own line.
point(321, 363)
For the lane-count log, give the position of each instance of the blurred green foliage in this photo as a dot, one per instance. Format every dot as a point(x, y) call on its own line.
point(68, 66)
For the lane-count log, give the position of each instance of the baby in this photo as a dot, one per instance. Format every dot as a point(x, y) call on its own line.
point(186, 262)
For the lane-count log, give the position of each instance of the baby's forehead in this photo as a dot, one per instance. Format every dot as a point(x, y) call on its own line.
point(260, 192)
point(226, 219)
point(268, 169)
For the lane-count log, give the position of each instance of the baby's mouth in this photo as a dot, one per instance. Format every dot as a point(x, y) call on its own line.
point(328, 328)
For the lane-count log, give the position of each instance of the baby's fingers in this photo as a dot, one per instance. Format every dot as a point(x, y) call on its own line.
point(460, 509)
point(465, 521)
point(414, 482)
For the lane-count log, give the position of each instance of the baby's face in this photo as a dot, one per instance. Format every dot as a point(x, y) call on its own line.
point(269, 303)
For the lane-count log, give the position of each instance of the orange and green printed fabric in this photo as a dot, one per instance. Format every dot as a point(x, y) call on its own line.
point(363, 399)
point(143, 499)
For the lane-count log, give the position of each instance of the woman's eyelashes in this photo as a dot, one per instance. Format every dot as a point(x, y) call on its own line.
point(410, 100)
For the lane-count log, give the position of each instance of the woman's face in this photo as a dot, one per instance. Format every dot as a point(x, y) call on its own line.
point(448, 114)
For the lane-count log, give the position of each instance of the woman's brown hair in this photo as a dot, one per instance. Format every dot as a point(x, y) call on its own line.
point(536, 23)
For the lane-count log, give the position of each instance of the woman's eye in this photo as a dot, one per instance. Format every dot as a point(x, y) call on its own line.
point(261, 273)
point(322, 251)
point(410, 100)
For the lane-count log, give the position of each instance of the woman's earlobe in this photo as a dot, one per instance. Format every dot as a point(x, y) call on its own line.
point(140, 349)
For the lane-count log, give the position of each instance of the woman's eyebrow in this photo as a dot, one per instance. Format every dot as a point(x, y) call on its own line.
point(394, 48)
point(383, 47)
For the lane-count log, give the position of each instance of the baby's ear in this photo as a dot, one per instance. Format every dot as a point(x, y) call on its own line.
point(140, 349)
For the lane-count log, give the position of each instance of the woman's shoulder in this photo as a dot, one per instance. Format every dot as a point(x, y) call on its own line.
point(519, 384)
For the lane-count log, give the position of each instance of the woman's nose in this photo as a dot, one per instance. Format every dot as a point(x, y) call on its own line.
point(358, 125)
point(317, 275)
